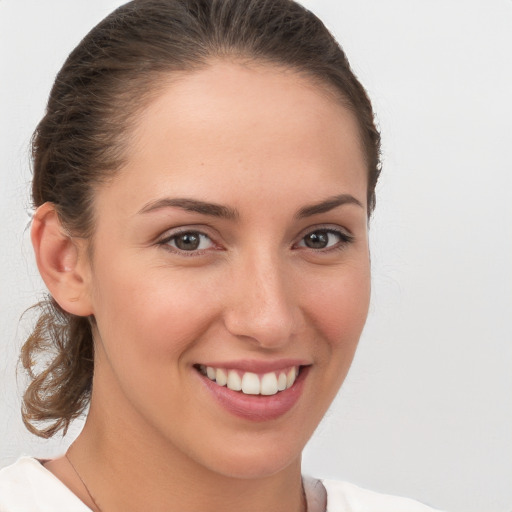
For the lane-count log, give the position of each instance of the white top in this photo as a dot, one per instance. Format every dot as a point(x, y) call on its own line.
point(27, 486)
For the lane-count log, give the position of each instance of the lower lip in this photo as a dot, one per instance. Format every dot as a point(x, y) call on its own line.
point(257, 407)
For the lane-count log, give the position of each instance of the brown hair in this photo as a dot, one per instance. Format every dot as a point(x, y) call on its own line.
point(81, 141)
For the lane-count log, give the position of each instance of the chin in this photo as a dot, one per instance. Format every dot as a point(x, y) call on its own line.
point(256, 466)
point(252, 456)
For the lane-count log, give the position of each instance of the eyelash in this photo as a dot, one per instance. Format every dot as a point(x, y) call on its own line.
point(165, 242)
point(344, 239)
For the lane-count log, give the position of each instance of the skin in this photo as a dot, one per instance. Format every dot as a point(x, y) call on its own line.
point(263, 141)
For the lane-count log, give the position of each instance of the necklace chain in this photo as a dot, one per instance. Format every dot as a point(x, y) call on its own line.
point(84, 484)
point(304, 497)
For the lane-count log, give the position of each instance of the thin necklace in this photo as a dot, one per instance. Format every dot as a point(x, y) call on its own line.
point(84, 484)
point(304, 497)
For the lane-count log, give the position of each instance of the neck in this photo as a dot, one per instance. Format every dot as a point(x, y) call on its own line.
point(128, 467)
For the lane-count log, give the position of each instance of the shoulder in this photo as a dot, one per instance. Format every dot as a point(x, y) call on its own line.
point(26, 486)
point(347, 497)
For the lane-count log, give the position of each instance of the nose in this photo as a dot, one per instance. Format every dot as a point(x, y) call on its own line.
point(263, 304)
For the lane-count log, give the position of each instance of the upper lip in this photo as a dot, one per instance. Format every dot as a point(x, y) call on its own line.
point(257, 366)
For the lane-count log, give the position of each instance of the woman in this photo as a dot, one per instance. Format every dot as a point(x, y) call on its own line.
point(203, 179)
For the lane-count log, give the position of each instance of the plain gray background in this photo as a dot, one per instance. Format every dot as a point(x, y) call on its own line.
point(427, 408)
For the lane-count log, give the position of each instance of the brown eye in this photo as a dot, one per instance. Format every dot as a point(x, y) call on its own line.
point(317, 240)
point(190, 241)
point(324, 239)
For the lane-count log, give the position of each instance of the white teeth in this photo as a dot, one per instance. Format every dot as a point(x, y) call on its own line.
point(221, 377)
point(250, 383)
point(290, 378)
point(281, 382)
point(234, 381)
point(269, 384)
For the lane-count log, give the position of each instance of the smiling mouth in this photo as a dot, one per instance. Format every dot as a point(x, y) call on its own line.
point(250, 383)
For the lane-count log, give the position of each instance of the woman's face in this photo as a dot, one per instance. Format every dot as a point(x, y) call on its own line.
point(232, 246)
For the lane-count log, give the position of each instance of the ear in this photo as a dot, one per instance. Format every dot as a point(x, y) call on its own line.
point(61, 261)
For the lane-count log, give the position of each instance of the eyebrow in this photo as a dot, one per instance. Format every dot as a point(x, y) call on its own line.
point(192, 205)
point(327, 205)
point(225, 212)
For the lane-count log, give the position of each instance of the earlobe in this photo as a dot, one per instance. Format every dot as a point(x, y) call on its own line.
point(60, 262)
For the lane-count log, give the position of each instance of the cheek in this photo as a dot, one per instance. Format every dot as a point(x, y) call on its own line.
point(151, 315)
point(147, 328)
point(339, 307)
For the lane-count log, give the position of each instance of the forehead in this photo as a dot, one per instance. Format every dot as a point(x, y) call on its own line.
point(256, 125)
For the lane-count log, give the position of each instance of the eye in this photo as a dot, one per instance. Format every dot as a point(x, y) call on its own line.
point(324, 239)
point(189, 241)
